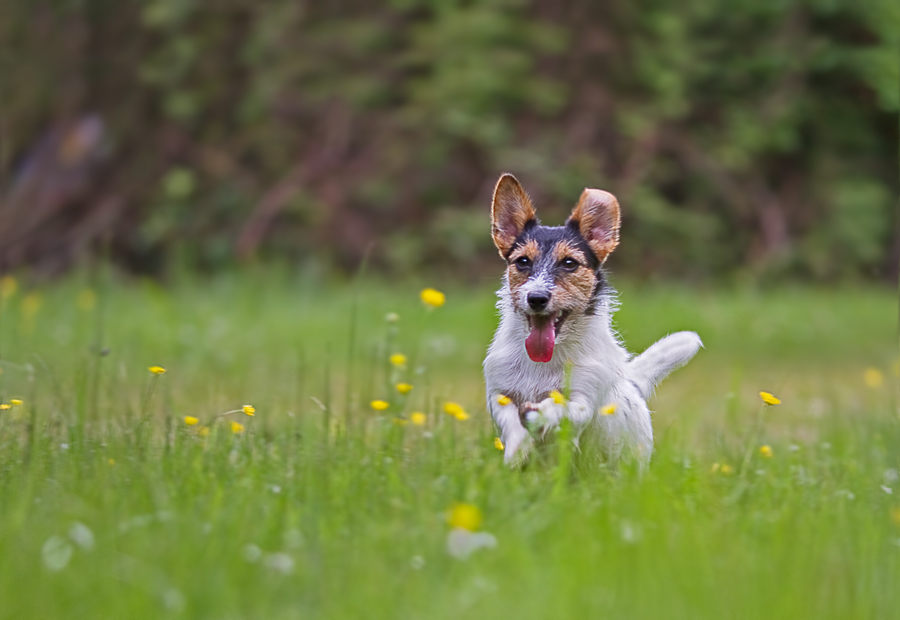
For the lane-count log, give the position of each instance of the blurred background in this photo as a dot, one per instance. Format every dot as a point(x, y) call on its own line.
point(750, 138)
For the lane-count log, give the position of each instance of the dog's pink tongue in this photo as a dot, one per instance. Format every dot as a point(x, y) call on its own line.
point(539, 343)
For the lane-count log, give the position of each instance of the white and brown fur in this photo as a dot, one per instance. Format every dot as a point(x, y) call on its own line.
point(555, 273)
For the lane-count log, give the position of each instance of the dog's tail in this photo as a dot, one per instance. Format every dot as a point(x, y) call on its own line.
point(661, 358)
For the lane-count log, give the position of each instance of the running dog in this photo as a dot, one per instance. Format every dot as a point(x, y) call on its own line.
point(556, 335)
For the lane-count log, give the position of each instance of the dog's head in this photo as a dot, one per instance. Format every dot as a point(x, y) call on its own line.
point(553, 271)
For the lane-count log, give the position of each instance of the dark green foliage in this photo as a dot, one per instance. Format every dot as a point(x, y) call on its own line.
point(752, 136)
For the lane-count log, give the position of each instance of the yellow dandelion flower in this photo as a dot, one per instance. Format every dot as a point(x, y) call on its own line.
point(873, 377)
point(111, 461)
point(727, 469)
point(456, 410)
point(465, 516)
point(503, 400)
point(769, 399)
point(8, 287)
point(766, 451)
point(237, 428)
point(15, 402)
point(452, 408)
point(203, 431)
point(87, 299)
point(404, 388)
point(418, 418)
point(157, 370)
point(715, 467)
point(4, 406)
point(608, 409)
point(398, 359)
point(379, 405)
point(432, 297)
point(250, 410)
point(498, 443)
point(400, 421)
point(190, 420)
point(557, 397)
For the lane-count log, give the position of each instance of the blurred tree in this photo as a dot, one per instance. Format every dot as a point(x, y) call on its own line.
point(757, 136)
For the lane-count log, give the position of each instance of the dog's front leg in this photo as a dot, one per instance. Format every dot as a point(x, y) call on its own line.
point(516, 440)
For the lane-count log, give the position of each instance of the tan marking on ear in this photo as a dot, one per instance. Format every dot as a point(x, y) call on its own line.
point(511, 210)
point(518, 278)
point(598, 216)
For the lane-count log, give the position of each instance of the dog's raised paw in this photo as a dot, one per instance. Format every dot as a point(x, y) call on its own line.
point(552, 412)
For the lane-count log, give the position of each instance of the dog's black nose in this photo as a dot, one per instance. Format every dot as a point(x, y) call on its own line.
point(538, 301)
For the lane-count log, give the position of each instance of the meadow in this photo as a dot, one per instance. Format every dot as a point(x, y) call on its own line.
point(126, 493)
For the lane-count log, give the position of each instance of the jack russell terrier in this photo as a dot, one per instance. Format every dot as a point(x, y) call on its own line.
point(555, 331)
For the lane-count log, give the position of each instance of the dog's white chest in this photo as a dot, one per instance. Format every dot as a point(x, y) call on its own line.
point(516, 374)
point(589, 354)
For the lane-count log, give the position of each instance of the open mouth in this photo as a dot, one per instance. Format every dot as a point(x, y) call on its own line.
point(542, 337)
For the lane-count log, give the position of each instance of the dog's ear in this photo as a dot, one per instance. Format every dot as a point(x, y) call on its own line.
point(597, 217)
point(511, 211)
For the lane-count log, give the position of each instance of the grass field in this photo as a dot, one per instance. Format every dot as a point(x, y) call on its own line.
point(111, 506)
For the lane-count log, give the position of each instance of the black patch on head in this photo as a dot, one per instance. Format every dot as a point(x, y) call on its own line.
point(548, 236)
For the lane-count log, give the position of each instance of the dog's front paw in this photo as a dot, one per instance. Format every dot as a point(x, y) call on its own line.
point(532, 418)
point(552, 412)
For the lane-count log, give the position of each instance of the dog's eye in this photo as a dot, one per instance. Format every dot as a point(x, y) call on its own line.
point(569, 264)
point(523, 262)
